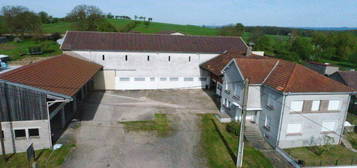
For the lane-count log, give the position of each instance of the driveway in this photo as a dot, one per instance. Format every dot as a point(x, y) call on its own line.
point(102, 141)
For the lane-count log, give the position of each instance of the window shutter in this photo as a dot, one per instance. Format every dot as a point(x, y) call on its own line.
point(307, 106)
point(323, 106)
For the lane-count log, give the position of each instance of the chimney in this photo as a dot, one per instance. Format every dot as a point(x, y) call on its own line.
point(249, 49)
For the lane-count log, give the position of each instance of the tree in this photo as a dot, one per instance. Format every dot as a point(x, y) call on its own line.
point(20, 20)
point(85, 17)
point(236, 30)
point(110, 16)
point(90, 18)
point(44, 17)
point(302, 47)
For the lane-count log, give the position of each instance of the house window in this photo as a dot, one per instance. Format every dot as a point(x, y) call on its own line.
point(169, 58)
point(124, 79)
point(126, 57)
point(152, 78)
point(189, 59)
point(187, 79)
point(203, 79)
point(315, 105)
point(163, 79)
point(148, 58)
point(333, 105)
point(293, 129)
point(174, 79)
point(139, 79)
point(20, 134)
point(103, 57)
point(34, 132)
point(2, 135)
point(266, 122)
point(328, 126)
point(296, 106)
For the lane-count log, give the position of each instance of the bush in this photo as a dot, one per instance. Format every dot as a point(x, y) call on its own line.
point(233, 128)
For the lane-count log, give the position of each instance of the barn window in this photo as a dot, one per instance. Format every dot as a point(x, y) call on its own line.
point(174, 79)
point(188, 79)
point(293, 129)
point(126, 57)
point(20, 133)
point(148, 58)
point(124, 79)
point(34, 132)
point(333, 105)
point(169, 58)
point(103, 57)
point(189, 59)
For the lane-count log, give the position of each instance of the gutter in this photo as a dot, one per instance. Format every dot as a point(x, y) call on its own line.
point(317, 93)
point(37, 89)
point(280, 122)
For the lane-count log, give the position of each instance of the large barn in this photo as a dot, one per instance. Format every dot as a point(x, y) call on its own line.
point(38, 100)
point(133, 61)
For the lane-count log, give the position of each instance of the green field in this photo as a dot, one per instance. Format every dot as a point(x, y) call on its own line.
point(220, 147)
point(19, 50)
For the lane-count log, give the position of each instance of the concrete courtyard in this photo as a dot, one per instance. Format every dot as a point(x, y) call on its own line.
point(102, 141)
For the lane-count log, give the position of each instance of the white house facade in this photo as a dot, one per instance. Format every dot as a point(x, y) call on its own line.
point(291, 105)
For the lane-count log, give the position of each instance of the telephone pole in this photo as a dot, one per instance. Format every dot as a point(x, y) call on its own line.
point(242, 125)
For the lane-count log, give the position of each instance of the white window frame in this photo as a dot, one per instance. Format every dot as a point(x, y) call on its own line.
point(332, 106)
point(315, 106)
point(294, 129)
point(328, 126)
point(296, 105)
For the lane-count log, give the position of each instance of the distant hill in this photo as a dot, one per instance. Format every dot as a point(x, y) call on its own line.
point(328, 28)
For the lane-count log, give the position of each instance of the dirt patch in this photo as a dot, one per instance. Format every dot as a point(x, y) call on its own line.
point(28, 60)
point(7, 46)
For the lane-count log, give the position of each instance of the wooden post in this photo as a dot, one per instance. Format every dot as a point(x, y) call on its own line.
point(242, 126)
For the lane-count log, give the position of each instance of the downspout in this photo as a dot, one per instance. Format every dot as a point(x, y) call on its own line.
point(344, 120)
point(49, 124)
point(281, 120)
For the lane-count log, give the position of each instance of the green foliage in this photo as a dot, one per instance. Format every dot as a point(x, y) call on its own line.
point(236, 30)
point(326, 146)
point(302, 47)
point(20, 20)
point(105, 26)
point(233, 128)
point(129, 26)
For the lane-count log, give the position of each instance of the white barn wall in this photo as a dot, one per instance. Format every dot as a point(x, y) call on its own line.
point(41, 142)
point(137, 65)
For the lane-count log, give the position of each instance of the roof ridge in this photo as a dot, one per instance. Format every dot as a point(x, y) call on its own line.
point(276, 64)
point(291, 75)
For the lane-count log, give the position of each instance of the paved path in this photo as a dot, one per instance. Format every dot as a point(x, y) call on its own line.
point(255, 138)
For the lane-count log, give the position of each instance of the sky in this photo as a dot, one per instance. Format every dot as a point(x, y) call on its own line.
point(287, 13)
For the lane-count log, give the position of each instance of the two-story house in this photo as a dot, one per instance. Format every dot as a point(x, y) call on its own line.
point(292, 105)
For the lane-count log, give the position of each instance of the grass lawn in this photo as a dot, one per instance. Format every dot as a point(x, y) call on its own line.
point(60, 27)
point(220, 147)
point(55, 159)
point(160, 124)
point(352, 118)
point(19, 50)
point(352, 137)
point(338, 153)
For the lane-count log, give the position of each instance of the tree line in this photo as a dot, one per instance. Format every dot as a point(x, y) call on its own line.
point(298, 45)
point(20, 20)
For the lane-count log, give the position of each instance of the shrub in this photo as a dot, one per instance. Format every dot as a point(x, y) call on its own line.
point(233, 128)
